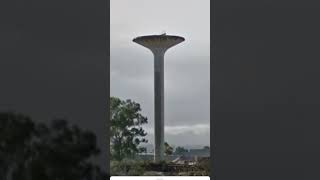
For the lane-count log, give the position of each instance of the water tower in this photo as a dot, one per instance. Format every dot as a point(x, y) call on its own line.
point(158, 44)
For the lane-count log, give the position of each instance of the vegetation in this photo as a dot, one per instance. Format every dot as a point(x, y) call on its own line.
point(35, 151)
point(126, 131)
point(180, 150)
point(168, 149)
point(127, 135)
point(127, 167)
point(149, 168)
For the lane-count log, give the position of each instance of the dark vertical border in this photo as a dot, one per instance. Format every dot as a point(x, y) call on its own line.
point(107, 38)
point(212, 77)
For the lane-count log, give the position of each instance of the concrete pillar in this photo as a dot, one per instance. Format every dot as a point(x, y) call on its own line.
point(159, 104)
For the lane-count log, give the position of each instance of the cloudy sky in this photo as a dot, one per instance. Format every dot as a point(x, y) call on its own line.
point(187, 81)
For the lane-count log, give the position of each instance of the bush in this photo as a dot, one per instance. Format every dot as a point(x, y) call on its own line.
point(126, 168)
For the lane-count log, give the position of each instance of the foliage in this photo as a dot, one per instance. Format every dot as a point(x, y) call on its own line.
point(126, 167)
point(204, 164)
point(180, 150)
point(168, 149)
point(16, 132)
point(35, 151)
point(126, 128)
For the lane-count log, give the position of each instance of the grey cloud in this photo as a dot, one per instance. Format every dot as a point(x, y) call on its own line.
point(187, 81)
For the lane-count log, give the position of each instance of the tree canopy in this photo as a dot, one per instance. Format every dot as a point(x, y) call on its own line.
point(36, 151)
point(180, 150)
point(206, 147)
point(126, 128)
point(168, 149)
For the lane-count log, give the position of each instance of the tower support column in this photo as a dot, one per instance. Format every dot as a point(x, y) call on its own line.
point(159, 105)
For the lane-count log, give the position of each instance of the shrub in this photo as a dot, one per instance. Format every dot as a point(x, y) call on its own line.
point(126, 168)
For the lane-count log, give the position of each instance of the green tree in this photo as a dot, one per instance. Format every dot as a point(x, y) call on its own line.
point(180, 150)
point(66, 146)
point(206, 147)
point(34, 151)
point(16, 132)
point(168, 149)
point(126, 128)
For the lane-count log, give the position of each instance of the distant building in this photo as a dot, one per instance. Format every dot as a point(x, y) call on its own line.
point(192, 157)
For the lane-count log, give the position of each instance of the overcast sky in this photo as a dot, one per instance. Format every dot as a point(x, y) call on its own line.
point(187, 71)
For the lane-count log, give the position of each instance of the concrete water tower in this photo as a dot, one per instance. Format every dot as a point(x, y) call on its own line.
point(158, 44)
